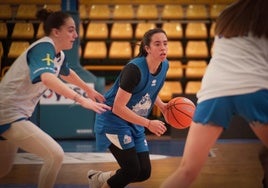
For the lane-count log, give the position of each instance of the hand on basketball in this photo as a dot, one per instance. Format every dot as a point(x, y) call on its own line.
point(157, 127)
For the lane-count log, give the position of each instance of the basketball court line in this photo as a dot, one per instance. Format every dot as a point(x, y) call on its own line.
point(75, 158)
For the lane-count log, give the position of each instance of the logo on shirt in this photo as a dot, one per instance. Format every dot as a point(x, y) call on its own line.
point(153, 82)
point(143, 106)
point(48, 60)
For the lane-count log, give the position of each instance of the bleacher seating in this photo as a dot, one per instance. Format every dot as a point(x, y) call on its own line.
point(142, 27)
point(147, 12)
point(216, 9)
point(175, 70)
point(5, 12)
point(196, 49)
point(173, 30)
point(3, 30)
point(97, 30)
point(172, 11)
point(120, 50)
point(23, 30)
point(196, 11)
point(17, 48)
point(196, 30)
point(195, 69)
point(26, 11)
point(121, 30)
point(95, 49)
point(123, 11)
point(99, 11)
point(98, 35)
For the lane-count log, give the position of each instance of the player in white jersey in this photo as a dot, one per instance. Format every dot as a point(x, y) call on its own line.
point(235, 83)
point(32, 73)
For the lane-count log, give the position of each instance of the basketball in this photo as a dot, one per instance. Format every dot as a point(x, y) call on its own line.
point(180, 111)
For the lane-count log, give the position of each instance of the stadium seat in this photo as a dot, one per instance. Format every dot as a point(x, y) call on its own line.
point(192, 87)
point(26, 11)
point(97, 30)
point(147, 12)
point(196, 49)
point(123, 11)
point(136, 49)
point(169, 89)
point(99, 11)
point(120, 50)
point(216, 9)
point(172, 11)
point(95, 49)
point(196, 11)
point(40, 31)
point(175, 70)
point(52, 7)
point(143, 27)
point(3, 30)
point(121, 30)
point(175, 49)
point(5, 11)
point(83, 12)
point(17, 48)
point(196, 30)
point(23, 30)
point(212, 29)
point(195, 69)
point(173, 30)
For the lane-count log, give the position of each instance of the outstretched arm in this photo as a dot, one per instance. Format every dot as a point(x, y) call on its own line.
point(73, 78)
point(55, 84)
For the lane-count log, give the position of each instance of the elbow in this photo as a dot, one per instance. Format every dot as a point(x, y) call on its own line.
point(116, 109)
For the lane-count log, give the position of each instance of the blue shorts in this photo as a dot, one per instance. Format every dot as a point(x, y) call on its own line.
point(122, 141)
point(253, 107)
point(5, 127)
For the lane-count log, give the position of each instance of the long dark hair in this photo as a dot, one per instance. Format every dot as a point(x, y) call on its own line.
point(146, 40)
point(51, 19)
point(242, 17)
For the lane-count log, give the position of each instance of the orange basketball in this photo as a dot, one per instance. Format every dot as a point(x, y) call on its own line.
point(180, 111)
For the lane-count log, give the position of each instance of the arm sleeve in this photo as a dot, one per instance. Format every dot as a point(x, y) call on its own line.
point(130, 77)
point(40, 59)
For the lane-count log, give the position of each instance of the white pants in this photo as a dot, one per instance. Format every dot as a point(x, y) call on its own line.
point(30, 138)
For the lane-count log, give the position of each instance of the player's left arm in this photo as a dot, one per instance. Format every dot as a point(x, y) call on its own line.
point(73, 78)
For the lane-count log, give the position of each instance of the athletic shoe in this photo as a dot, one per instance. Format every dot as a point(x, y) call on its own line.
point(94, 180)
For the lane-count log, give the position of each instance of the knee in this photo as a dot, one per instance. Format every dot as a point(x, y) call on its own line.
point(132, 173)
point(56, 156)
point(59, 155)
point(144, 174)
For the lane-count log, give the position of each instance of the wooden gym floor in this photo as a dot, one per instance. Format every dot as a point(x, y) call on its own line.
point(232, 164)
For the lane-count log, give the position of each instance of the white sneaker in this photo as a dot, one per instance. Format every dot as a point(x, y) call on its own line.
point(94, 180)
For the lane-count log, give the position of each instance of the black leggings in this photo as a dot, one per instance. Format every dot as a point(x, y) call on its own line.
point(135, 167)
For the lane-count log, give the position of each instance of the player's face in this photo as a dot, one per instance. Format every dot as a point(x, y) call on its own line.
point(67, 34)
point(158, 47)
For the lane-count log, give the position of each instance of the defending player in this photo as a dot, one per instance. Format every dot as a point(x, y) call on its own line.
point(32, 73)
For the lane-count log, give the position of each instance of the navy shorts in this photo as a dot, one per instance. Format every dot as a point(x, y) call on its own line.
point(122, 141)
point(5, 127)
point(253, 107)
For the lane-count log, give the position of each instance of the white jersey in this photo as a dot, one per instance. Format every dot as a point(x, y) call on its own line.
point(21, 87)
point(239, 65)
